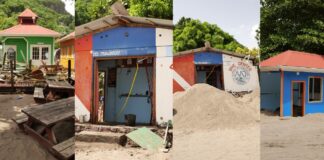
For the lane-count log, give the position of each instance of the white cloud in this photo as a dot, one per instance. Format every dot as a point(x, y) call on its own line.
point(253, 30)
point(69, 6)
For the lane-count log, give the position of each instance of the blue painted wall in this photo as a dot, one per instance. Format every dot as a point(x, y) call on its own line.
point(208, 58)
point(124, 41)
point(310, 107)
point(270, 90)
point(140, 106)
point(201, 76)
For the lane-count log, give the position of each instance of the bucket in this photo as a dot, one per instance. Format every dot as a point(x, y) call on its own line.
point(130, 119)
point(81, 118)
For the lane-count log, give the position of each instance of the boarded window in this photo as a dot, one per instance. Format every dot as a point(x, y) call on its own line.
point(315, 89)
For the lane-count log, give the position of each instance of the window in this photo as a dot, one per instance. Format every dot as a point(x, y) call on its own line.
point(45, 53)
point(40, 52)
point(35, 55)
point(315, 89)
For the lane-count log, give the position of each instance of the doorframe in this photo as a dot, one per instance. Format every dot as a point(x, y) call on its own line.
point(105, 94)
point(303, 97)
point(95, 85)
point(216, 65)
point(40, 52)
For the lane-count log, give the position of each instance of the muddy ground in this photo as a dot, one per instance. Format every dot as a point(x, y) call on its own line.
point(14, 144)
point(295, 138)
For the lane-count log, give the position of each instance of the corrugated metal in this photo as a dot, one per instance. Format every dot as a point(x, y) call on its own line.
point(214, 50)
point(67, 37)
point(113, 21)
point(208, 58)
point(124, 41)
point(295, 59)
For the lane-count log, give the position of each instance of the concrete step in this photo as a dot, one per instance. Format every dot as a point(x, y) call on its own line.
point(102, 137)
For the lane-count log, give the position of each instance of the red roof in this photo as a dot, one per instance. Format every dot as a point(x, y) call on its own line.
point(27, 13)
point(295, 59)
point(67, 37)
point(28, 30)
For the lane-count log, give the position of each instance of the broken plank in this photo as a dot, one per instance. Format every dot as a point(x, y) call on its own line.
point(65, 150)
point(145, 138)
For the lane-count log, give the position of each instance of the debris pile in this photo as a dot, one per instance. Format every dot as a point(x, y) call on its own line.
point(206, 107)
point(27, 79)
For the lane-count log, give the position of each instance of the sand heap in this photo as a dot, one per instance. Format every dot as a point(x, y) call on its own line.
point(206, 107)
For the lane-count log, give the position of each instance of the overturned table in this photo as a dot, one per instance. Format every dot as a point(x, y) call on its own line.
point(45, 116)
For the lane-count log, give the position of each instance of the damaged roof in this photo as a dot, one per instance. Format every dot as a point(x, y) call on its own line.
point(113, 21)
point(210, 49)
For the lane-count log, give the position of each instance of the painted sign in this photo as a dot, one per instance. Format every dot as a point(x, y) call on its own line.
point(125, 52)
point(240, 73)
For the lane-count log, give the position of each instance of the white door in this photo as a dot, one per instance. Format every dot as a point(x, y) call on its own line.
point(40, 53)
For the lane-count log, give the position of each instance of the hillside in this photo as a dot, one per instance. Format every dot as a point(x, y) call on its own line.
point(51, 14)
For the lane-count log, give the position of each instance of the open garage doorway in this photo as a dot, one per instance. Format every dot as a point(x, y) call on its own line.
point(210, 74)
point(127, 90)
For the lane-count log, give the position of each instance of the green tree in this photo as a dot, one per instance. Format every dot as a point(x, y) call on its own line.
point(89, 10)
point(190, 33)
point(291, 24)
point(151, 8)
point(51, 14)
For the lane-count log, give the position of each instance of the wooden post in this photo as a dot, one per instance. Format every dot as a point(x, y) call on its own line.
point(12, 78)
point(30, 65)
point(69, 69)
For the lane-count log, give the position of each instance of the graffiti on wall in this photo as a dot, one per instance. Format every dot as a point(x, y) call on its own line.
point(240, 73)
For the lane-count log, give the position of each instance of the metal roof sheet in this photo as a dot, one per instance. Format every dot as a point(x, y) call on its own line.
point(295, 59)
point(210, 49)
point(28, 30)
point(67, 37)
point(27, 13)
point(113, 21)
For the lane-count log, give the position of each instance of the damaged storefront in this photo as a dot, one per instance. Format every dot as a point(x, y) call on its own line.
point(224, 70)
point(126, 70)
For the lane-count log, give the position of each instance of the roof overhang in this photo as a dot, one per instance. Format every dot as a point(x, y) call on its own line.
point(210, 49)
point(113, 21)
point(29, 35)
point(66, 38)
point(290, 69)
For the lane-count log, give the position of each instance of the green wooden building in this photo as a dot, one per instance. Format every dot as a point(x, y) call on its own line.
point(29, 40)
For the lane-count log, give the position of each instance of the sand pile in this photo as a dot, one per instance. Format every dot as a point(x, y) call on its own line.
point(205, 107)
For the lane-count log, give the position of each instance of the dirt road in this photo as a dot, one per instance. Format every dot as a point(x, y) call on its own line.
point(14, 144)
point(296, 138)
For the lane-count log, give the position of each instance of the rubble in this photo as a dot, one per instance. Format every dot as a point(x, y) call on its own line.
point(47, 82)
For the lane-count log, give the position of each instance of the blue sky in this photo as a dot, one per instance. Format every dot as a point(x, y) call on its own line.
point(239, 18)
